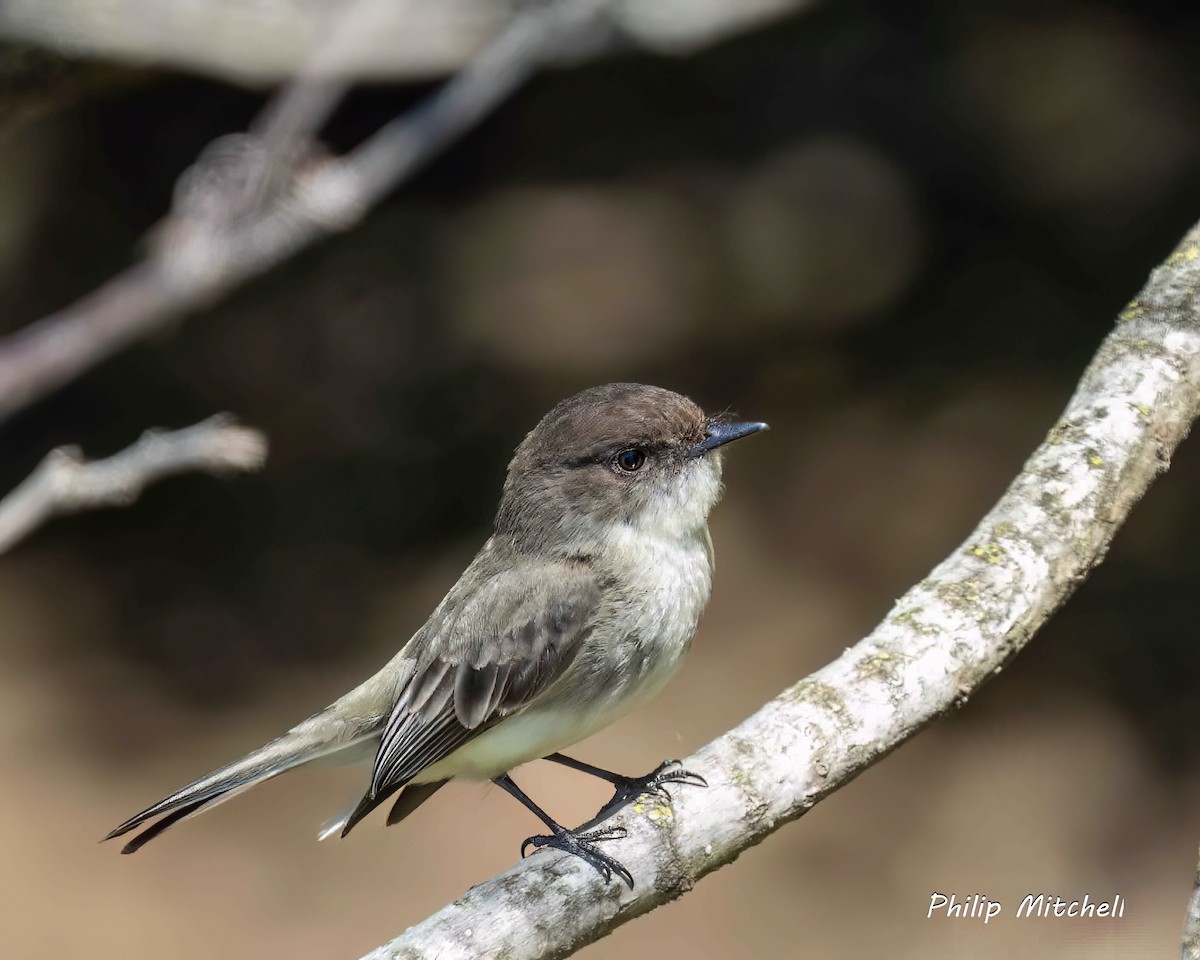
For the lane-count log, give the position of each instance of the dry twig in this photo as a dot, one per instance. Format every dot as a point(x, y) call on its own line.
point(946, 636)
point(269, 40)
point(283, 201)
point(65, 483)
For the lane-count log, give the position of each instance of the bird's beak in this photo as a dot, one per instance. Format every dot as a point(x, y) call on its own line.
point(722, 432)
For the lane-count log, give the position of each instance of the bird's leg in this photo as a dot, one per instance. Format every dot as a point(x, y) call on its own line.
point(579, 842)
point(628, 789)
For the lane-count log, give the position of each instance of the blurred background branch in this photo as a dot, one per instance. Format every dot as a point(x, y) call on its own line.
point(271, 40)
point(65, 483)
point(255, 199)
point(942, 640)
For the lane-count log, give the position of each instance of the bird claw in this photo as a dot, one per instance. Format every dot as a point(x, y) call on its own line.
point(652, 785)
point(582, 845)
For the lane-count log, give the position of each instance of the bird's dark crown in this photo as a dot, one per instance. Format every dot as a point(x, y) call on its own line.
point(598, 422)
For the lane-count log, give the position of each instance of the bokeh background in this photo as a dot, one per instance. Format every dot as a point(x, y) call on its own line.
point(896, 232)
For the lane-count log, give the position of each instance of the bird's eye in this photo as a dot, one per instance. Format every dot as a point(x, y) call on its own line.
point(631, 460)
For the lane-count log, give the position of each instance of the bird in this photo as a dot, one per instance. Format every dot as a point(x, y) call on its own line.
point(578, 608)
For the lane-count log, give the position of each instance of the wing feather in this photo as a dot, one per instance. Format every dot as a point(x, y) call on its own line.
point(483, 658)
point(473, 689)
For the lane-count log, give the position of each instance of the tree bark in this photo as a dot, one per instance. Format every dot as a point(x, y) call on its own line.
point(1191, 923)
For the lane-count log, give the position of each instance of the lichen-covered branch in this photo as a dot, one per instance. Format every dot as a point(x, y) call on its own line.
point(946, 636)
point(65, 483)
point(1191, 923)
point(248, 205)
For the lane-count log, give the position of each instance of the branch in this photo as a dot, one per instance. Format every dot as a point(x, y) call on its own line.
point(212, 243)
point(64, 483)
point(269, 40)
point(941, 641)
point(1191, 924)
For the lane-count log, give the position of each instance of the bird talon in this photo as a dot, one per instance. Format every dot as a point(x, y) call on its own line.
point(654, 785)
point(536, 842)
point(582, 845)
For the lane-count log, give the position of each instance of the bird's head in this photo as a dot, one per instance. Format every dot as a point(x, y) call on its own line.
point(620, 454)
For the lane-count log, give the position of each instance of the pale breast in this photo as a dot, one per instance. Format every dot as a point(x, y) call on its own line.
point(673, 578)
point(662, 587)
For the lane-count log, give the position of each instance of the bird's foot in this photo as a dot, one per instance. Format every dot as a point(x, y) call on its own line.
point(581, 844)
point(653, 784)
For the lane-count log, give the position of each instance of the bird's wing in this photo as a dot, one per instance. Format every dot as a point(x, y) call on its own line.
point(482, 656)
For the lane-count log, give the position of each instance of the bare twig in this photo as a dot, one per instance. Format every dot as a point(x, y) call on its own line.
point(1191, 924)
point(945, 637)
point(207, 255)
point(267, 41)
point(64, 483)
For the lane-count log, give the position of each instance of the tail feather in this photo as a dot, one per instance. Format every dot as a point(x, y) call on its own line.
point(309, 741)
point(412, 797)
point(159, 826)
point(366, 805)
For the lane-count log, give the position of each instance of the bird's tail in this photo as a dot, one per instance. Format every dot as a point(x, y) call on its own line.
point(320, 736)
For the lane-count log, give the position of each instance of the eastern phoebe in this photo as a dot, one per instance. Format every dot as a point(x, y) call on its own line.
point(578, 608)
